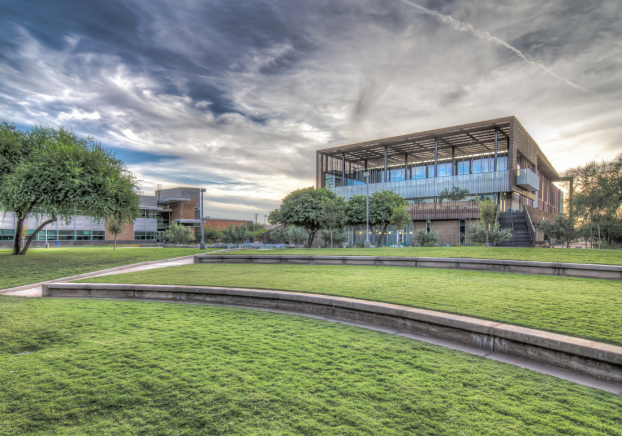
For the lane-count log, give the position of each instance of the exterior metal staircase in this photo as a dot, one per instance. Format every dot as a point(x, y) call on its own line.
point(516, 221)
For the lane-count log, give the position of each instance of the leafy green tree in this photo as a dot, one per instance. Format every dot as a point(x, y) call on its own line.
point(296, 235)
point(115, 227)
point(211, 234)
point(339, 236)
point(456, 194)
point(303, 208)
point(382, 207)
point(558, 227)
point(400, 217)
point(599, 190)
point(427, 239)
point(487, 213)
point(235, 234)
point(356, 211)
point(178, 234)
point(333, 216)
point(281, 234)
point(53, 173)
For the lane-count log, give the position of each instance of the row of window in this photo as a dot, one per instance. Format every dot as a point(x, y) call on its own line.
point(60, 235)
point(142, 236)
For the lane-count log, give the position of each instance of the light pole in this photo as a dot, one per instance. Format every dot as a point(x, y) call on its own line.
point(366, 175)
point(202, 245)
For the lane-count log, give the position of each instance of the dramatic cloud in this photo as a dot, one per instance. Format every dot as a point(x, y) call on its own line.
point(237, 96)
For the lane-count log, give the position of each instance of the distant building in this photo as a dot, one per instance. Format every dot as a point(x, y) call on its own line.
point(156, 213)
point(495, 159)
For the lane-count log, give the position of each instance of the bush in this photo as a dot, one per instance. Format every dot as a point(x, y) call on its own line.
point(178, 234)
point(427, 239)
point(495, 234)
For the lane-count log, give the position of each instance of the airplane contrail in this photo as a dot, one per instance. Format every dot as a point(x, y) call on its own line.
point(466, 27)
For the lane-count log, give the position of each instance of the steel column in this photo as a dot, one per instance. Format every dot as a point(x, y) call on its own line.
point(496, 147)
point(406, 166)
point(343, 170)
point(435, 157)
point(386, 176)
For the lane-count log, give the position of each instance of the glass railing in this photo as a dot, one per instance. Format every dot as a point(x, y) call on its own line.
point(482, 183)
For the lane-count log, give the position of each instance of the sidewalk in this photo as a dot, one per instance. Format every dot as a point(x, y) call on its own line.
point(35, 290)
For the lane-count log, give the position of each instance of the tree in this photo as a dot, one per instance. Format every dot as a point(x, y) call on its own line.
point(235, 234)
point(211, 234)
point(400, 217)
point(427, 239)
point(339, 236)
point(599, 186)
point(296, 235)
point(303, 208)
point(356, 211)
point(50, 173)
point(559, 227)
point(281, 234)
point(382, 206)
point(456, 194)
point(178, 234)
point(115, 227)
point(333, 215)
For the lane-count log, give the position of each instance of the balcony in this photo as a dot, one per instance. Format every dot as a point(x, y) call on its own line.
point(483, 183)
point(527, 179)
point(451, 210)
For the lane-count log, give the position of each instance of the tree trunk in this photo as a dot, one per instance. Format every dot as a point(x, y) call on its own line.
point(311, 237)
point(36, 232)
point(384, 230)
point(598, 225)
point(18, 235)
point(115, 242)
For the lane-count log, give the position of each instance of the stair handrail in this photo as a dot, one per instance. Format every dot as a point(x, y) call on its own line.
point(530, 226)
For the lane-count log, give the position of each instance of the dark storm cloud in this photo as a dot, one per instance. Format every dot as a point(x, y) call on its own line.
point(237, 96)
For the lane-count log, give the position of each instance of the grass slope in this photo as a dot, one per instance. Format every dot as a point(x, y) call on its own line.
point(584, 308)
point(39, 265)
point(604, 257)
point(122, 367)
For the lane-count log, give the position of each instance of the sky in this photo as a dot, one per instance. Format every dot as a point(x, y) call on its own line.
point(236, 96)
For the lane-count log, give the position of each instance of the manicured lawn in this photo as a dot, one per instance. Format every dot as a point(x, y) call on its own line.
point(46, 264)
point(584, 308)
point(573, 255)
point(124, 367)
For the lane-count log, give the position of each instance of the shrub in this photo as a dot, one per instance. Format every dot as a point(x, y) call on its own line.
point(427, 239)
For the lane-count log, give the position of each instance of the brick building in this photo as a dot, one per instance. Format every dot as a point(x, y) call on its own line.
point(496, 160)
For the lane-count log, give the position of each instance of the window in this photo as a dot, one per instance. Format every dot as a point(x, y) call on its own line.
point(444, 169)
point(145, 213)
point(464, 167)
point(66, 235)
point(83, 235)
point(51, 234)
point(139, 235)
point(99, 235)
point(419, 173)
point(430, 171)
point(151, 236)
point(7, 235)
point(502, 163)
point(428, 226)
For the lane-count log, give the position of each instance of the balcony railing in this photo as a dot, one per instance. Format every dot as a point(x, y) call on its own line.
point(483, 183)
point(451, 210)
point(527, 179)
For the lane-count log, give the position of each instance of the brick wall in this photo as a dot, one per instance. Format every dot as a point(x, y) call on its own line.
point(127, 234)
point(183, 211)
point(448, 231)
point(223, 224)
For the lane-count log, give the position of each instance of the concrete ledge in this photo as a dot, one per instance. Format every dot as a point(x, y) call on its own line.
point(580, 270)
point(580, 355)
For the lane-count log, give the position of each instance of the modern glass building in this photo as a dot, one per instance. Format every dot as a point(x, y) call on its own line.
point(495, 159)
point(156, 213)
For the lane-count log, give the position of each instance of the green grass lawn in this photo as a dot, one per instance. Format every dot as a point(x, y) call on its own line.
point(39, 265)
point(573, 255)
point(130, 367)
point(584, 308)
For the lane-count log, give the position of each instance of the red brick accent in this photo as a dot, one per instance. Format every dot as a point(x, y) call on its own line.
point(183, 211)
point(127, 234)
point(223, 224)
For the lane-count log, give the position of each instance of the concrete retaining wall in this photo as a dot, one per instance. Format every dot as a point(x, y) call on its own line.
point(609, 272)
point(588, 357)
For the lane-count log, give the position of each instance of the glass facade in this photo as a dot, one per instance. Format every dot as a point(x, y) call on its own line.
point(143, 236)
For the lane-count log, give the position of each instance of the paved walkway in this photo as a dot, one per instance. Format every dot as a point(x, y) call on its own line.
point(35, 291)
